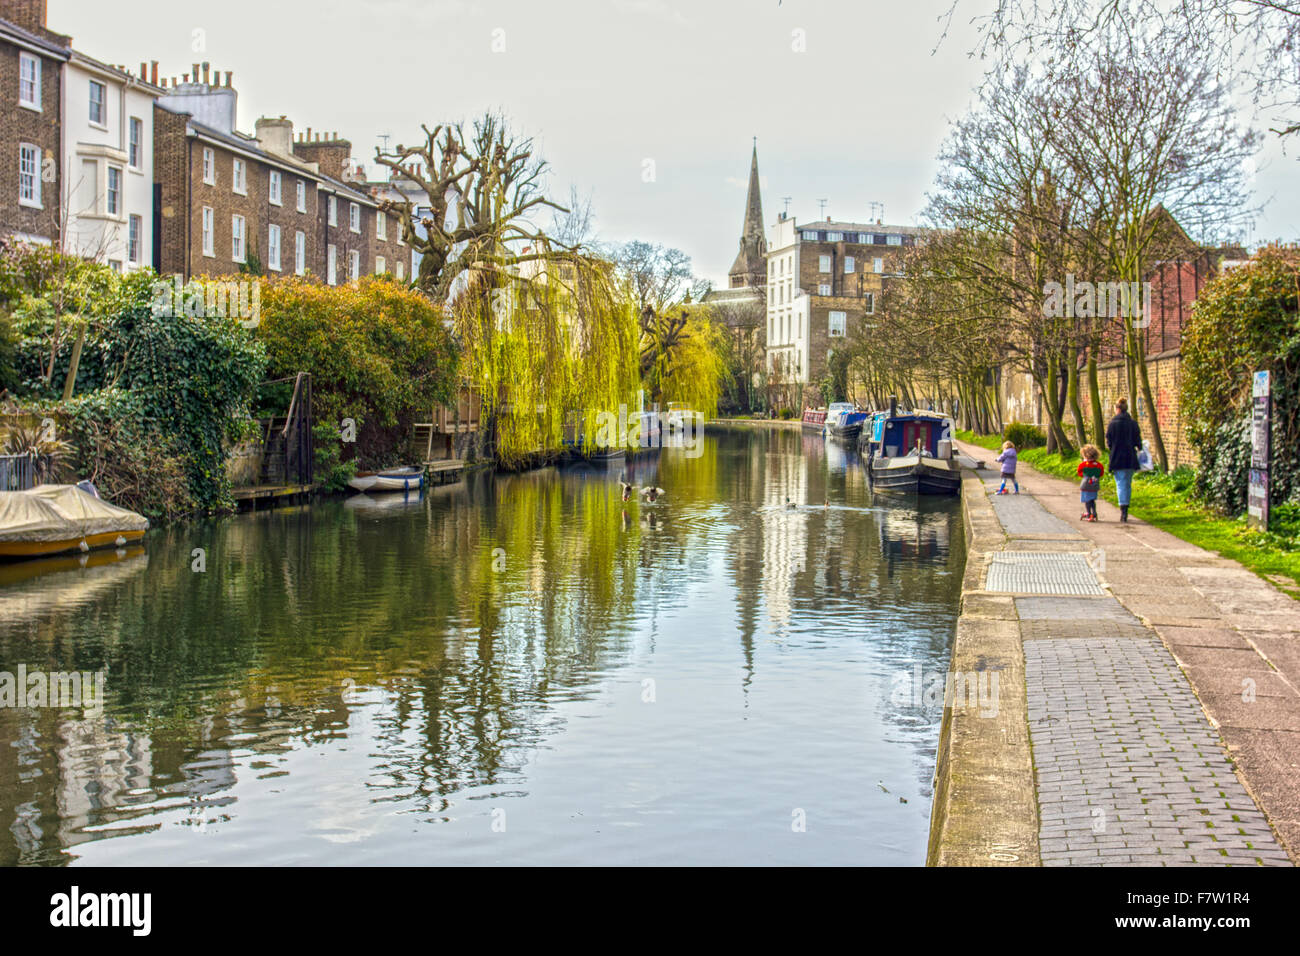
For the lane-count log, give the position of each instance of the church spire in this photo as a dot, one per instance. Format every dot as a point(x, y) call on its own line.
point(750, 267)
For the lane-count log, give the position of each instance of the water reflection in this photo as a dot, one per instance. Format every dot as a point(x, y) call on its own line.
point(386, 680)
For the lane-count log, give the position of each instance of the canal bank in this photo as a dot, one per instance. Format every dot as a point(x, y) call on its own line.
point(1107, 634)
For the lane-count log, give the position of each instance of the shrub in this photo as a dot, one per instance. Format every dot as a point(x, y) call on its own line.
point(1024, 435)
point(1244, 321)
point(378, 353)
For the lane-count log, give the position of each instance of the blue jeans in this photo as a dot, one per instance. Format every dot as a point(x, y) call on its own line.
point(1123, 484)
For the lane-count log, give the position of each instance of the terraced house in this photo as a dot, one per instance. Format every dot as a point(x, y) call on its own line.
point(271, 202)
point(31, 85)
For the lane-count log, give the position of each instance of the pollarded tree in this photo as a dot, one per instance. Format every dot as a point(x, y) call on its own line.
point(481, 187)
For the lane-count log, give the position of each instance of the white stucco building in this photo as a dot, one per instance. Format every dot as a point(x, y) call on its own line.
point(107, 164)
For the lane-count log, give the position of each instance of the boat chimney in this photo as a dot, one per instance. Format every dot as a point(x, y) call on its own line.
point(893, 406)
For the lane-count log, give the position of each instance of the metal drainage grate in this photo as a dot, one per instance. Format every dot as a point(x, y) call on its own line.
point(1033, 572)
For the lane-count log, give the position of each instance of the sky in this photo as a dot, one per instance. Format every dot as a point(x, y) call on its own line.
point(649, 107)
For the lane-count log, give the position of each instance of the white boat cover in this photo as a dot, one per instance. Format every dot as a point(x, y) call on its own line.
point(61, 513)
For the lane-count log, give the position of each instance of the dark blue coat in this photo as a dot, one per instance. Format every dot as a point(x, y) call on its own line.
point(1123, 439)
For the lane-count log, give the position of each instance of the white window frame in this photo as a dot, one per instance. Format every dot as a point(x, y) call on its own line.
point(808, 236)
point(134, 143)
point(238, 238)
point(871, 303)
point(209, 229)
point(354, 265)
point(401, 270)
point(893, 240)
point(332, 264)
point(274, 187)
point(833, 319)
point(302, 196)
point(824, 289)
point(824, 264)
point(239, 176)
point(334, 211)
point(32, 152)
point(273, 247)
point(381, 265)
point(26, 60)
point(102, 121)
point(381, 225)
point(209, 166)
point(134, 238)
point(834, 237)
point(878, 264)
point(113, 197)
point(850, 265)
point(299, 253)
point(354, 217)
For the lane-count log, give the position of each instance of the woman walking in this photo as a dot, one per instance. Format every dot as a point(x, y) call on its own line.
point(1123, 439)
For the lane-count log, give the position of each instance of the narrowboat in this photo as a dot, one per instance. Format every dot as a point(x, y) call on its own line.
point(844, 421)
point(911, 453)
point(814, 419)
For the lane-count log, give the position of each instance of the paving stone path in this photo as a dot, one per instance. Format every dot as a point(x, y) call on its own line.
point(1129, 770)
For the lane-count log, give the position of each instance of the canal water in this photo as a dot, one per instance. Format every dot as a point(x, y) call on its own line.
point(519, 669)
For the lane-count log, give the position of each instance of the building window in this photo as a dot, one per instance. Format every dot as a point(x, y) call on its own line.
point(381, 265)
point(381, 225)
point(237, 251)
point(354, 265)
point(334, 211)
point(240, 176)
point(137, 138)
point(29, 81)
point(401, 269)
point(893, 240)
point(98, 110)
point(837, 324)
point(273, 247)
point(134, 229)
point(878, 264)
point(209, 167)
point(871, 303)
point(850, 265)
point(834, 237)
point(274, 189)
point(113, 204)
point(823, 263)
point(302, 196)
point(809, 236)
point(115, 265)
point(300, 252)
point(354, 217)
point(29, 175)
point(209, 241)
point(332, 264)
point(823, 289)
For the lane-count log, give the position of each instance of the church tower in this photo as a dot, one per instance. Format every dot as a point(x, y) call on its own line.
point(750, 267)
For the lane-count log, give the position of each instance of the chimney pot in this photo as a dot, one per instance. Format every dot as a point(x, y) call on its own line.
point(144, 70)
point(194, 72)
point(153, 71)
point(205, 73)
point(185, 77)
point(229, 73)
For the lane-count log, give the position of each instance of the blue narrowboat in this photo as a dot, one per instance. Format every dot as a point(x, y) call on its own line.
point(911, 453)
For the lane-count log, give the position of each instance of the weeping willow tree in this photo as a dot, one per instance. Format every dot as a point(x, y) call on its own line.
point(548, 350)
point(683, 357)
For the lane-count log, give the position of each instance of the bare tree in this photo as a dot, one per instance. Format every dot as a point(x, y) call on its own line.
point(482, 187)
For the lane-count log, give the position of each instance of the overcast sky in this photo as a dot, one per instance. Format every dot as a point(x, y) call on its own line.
point(605, 85)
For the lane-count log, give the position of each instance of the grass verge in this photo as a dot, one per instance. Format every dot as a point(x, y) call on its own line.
point(1168, 501)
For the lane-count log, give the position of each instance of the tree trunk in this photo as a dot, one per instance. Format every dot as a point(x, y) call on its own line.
point(1157, 439)
point(1072, 396)
point(70, 384)
point(1094, 397)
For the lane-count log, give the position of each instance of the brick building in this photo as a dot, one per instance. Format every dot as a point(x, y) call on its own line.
point(31, 89)
point(824, 282)
point(228, 200)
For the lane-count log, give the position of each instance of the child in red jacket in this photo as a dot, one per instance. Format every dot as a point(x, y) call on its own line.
point(1090, 471)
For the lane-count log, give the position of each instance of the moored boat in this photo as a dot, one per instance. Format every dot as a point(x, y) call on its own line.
point(410, 478)
point(814, 419)
point(844, 421)
point(53, 519)
point(911, 453)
